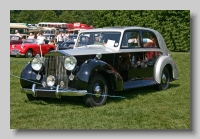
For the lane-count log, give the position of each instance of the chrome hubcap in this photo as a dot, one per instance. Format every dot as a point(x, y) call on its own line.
point(29, 54)
point(164, 78)
point(97, 91)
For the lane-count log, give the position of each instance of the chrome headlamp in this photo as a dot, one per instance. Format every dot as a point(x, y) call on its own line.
point(37, 63)
point(70, 63)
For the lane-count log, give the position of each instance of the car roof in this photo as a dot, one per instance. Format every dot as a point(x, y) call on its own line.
point(116, 28)
point(124, 28)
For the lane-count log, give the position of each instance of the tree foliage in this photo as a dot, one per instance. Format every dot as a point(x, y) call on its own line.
point(174, 25)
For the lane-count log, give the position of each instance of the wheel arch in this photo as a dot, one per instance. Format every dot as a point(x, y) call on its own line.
point(161, 63)
point(33, 53)
point(93, 67)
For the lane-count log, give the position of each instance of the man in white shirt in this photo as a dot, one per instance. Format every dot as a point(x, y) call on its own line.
point(60, 38)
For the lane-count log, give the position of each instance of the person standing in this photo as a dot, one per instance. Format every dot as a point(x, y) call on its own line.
point(60, 38)
point(31, 36)
point(17, 33)
point(40, 38)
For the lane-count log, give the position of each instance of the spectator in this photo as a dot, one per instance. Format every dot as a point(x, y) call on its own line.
point(65, 37)
point(31, 36)
point(51, 42)
point(40, 38)
point(60, 38)
point(17, 33)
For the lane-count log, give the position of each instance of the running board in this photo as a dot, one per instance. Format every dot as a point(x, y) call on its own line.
point(138, 83)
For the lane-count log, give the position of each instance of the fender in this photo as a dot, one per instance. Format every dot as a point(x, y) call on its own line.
point(28, 77)
point(161, 62)
point(93, 66)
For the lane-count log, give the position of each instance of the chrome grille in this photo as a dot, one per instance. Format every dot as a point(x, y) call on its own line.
point(54, 65)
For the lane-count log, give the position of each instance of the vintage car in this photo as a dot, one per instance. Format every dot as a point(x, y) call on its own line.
point(29, 48)
point(15, 39)
point(68, 44)
point(112, 60)
point(48, 37)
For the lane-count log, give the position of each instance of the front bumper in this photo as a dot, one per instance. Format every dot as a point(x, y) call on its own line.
point(17, 54)
point(20, 54)
point(57, 93)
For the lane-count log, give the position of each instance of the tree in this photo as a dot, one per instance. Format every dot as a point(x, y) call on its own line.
point(49, 16)
point(29, 16)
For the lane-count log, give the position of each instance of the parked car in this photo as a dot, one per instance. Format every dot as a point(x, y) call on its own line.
point(48, 37)
point(14, 39)
point(113, 59)
point(29, 48)
point(68, 44)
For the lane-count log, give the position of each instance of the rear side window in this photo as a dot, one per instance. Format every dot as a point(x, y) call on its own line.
point(149, 40)
point(131, 39)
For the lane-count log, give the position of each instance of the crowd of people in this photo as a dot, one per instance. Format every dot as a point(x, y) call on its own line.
point(59, 38)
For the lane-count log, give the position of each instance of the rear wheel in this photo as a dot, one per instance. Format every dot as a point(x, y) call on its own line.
point(98, 92)
point(165, 78)
point(29, 53)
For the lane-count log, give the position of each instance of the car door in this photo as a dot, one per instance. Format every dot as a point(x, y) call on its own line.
point(131, 56)
point(150, 54)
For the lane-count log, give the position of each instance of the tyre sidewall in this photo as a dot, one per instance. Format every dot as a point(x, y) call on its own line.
point(89, 100)
point(160, 86)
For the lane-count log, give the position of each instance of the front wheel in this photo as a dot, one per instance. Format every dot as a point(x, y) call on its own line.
point(97, 92)
point(165, 78)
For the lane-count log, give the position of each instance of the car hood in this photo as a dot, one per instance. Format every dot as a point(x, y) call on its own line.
point(89, 50)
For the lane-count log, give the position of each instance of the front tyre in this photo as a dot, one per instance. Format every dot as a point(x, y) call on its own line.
point(98, 91)
point(165, 78)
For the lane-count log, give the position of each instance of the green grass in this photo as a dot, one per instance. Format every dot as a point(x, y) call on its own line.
point(142, 108)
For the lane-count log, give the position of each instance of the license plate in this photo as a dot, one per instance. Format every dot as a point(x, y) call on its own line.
point(15, 52)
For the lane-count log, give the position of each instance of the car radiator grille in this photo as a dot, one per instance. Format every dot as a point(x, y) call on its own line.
point(54, 65)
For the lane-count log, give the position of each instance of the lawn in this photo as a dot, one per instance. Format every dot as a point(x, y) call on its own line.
point(142, 108)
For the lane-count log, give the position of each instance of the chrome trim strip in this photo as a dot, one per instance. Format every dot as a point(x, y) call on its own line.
point(58, 91)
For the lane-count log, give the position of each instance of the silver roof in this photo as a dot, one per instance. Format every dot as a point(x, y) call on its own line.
point(161, 41)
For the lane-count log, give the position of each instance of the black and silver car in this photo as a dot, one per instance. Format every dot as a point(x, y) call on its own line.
point(111, 59)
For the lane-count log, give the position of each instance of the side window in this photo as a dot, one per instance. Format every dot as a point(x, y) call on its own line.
point(149, 40)
point(131, 39)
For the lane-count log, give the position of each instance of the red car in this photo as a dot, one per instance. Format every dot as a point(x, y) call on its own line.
point(14, 39)
point(30, 48)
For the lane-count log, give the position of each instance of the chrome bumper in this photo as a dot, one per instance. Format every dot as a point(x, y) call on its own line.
point(19, 55)
point(58, 92)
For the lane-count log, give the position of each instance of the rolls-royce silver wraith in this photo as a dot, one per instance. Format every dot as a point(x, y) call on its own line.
point(102, 61)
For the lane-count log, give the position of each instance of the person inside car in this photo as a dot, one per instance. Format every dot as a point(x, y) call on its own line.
point(150, 42)
point(51, 42)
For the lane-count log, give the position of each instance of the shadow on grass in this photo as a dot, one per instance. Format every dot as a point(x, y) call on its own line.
point(61, 101)
point(78, 101)
point(133, 93)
